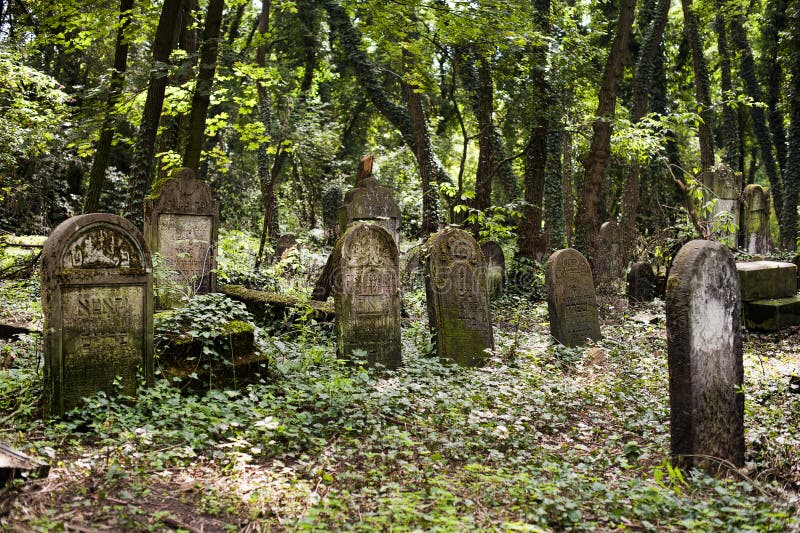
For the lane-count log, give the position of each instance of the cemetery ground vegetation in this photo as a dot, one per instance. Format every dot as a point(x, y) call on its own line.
point(541, 438)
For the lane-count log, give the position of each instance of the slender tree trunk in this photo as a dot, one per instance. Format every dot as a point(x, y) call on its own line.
point(142, 164)
point(97, 174)
point(205, 79)
point(566, 187)
point(730, 129)
point(265, 111)
point(485, 112)
point(597, 159)
point(553, 205)
point(792, 175)
point(701, 89)
point(772, 75)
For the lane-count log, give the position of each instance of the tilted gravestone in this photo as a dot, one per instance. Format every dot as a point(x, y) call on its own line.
point(97, 298)
point(571, 299)
point(727, 188)
point(368, 200)
point(608, 260)
point(641, 283)
point(284, 243)
point(704, 344)
point(180, 224)
point(458, 298)
point(755, 219)
point(366, 294)
point(495, 267)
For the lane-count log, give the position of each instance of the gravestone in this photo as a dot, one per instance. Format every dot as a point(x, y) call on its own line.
point(641, 283)
point(284, 243)
point(727, 188)
point(571, 300)
point(704, 344)
point(608, 260)
point(370, 201)
point(458, 298)
point(180, 224)
point(331, 201)
point(97, 298)
point(755, 219)
point(366, 294)
point(495, 267)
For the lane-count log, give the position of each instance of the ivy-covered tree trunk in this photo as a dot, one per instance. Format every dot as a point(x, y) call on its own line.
point(792, 175)
point(596, 160)
point(143, 151)
point(748, 74)
point(97, 174)
point(730, 127)
point(205, 78)
point(772, 75)
point(485, 111)
point(701, 90)
point(265, 177)
point(553, 205)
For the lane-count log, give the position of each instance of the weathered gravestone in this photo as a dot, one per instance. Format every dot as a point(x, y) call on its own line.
point(571, 300)
point(704, 343)
point(727, 188)
point(495, 267)
point(366, 294)
point(608, 260)
point(284, 243)
point(180, 224)
point(331, 201)
point(641, 283)
point(368, 200)
point(97, 298)
point(755, 219)
point(458, 298)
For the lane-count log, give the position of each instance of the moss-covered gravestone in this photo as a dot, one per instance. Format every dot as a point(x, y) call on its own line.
point(641, 283)
point(368, 200)
point(727, 189)
point(97, 298)
point(458, 298)
point(755, 219)
point(180, 224)
point(704, 344)
point(608, 261)
point(366, 294)
point(571, 299)
point(284, 243)
point(495, 267)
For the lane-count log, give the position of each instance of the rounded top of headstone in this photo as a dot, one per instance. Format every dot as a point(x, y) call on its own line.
point(370, 191)
point(694, 259)
point(367, 241)
point(454, 244)
point(755, 197)
point(493, 253)
point(94, 243)
point(727, 182)
point(565, 263)
point(182, 192)
point(287, 240)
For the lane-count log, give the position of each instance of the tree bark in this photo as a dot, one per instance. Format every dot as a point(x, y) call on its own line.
point(205, 80)
point(98, 172)
point(792, 174)
point(730, 129)
point(600, 150)
point(142, 164)
point(701, 89)
point(485, 112)
point(265, 177)
point(772, 75)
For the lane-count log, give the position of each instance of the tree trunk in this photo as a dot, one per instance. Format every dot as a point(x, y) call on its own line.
point(205, 79)
point(701, 89)
point(792, 175)
point(730, 129)
point(142, 164)
point(553, 203)
point(265, 109)
point(98, 172)
point(484, 111)
point(772, 75)
point(597, 159)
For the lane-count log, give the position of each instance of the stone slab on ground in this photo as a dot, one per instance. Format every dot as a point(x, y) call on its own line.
point(264, 305)
point(14, 464)
point(772, 314)
point(762, 280)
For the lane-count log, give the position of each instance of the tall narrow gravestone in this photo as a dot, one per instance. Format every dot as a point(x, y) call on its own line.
point(180, 224)
point(608, 260)
point(571, 300)
point(755, 219)
point(704, 343)
point(495, 267)
point(458, 298)
point(727, 188)
point(366, 294)
point(368, 200)
point(97, 298)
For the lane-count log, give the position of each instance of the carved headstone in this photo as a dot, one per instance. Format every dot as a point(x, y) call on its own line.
point(370, 201)
point(571, 300)
point(608, 261)
point(366, 294)
point(495, 267)
point(641, 283)
point(458, 298)
point(727, 188)
point(704, 344)
point(97, 298)
point(284, 243)
point(180, 224)
point(755, 219)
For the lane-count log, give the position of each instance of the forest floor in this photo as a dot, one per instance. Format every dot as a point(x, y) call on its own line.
point(541, 438)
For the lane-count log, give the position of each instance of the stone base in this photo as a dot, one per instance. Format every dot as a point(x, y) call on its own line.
point(762, 280)
point(772, 315)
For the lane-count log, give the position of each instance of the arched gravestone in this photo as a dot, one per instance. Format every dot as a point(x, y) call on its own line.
point(366, 294)
point(755, 219)
point(704, 343)
point(180, 223)
point(458, 298)
point(571, 300)
point(608, 260)
point(283, 244)
point(727, 188)
point(97, 298)
point(370, 201)
point(641, 283)
point(495, 267)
